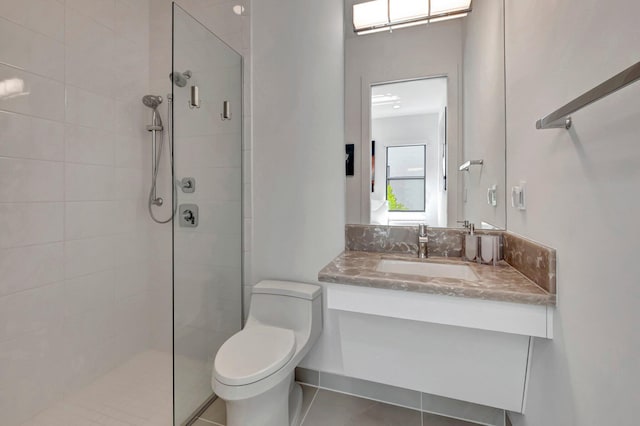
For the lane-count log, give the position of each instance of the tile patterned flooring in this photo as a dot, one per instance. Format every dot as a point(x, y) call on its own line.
point(325, 408)
point(136, 393)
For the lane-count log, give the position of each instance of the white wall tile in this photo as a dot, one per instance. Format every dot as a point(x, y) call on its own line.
point(31, 51)
point(133, 151)
point(31, 180)
point(130, 216)
point(130, 186)
point(44, 16)
point(90, 54)
point(89, 109)
point(87, 219)
point(132, 319)
point(89, 292)
point(208, 249)
point(131, 280)
point(30, 223)
point(225, 279)
point(31, 94)
point(30, 310)
point(132, 117)
point(72, 245)
point(133, 56)
point(86, 182)
point(29, 137)
point(88, 256)
point(23, 268)
point(222, 150)
point(131, 248)
point(102, 11)
point(90, 70)
point(132, 19)
point(89, 146)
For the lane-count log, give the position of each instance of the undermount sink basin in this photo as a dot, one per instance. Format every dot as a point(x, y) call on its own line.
point(427, 269)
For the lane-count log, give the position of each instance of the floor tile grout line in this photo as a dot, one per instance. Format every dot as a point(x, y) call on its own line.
point(371, 399)
point(304, 417)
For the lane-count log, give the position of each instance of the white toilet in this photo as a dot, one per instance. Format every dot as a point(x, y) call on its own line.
point(254, 370)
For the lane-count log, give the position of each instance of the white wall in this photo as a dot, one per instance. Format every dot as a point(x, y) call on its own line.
point(298, 139)
point(582, 199)
point(298, 145)
point(73, 185)
point(484, 112)
point(421, 51)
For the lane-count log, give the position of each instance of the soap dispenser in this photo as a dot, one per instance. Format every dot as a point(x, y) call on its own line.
point(471, 244)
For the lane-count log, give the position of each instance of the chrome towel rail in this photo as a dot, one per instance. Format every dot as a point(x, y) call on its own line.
point(561, 118)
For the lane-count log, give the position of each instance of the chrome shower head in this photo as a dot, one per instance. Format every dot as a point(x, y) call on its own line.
point(152, 101)
point(180, 78)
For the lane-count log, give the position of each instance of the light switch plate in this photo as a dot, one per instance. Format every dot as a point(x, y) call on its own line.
point(518, 196)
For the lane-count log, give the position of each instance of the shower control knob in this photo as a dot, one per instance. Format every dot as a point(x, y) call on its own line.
point(188, 185)
point(188, 215)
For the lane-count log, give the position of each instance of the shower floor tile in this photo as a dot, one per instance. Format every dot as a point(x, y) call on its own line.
point(136, 393)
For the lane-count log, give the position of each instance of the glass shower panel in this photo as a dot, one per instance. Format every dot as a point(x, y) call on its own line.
point(207, 229)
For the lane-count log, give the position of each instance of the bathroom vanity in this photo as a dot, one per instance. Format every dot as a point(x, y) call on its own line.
point(440, 325)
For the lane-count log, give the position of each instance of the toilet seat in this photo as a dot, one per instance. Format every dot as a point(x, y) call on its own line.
point(253, 354)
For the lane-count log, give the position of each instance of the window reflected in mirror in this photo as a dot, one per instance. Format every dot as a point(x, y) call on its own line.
point(408, 124)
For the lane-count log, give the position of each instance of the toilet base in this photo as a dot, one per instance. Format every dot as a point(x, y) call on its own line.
point(279, 406)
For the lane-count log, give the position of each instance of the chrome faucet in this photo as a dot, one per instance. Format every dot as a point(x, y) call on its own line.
point(423, 239)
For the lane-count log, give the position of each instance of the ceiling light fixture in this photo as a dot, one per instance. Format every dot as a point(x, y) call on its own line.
point(385, 15)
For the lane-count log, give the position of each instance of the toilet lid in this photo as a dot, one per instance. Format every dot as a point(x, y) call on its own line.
point(253, 354)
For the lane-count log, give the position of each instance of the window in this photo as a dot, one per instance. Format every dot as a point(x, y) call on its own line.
point(406, 171)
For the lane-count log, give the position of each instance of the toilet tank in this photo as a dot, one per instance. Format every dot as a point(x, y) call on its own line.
point(292, 305)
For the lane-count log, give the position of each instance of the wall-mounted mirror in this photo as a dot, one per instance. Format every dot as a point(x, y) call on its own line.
point(425, 109)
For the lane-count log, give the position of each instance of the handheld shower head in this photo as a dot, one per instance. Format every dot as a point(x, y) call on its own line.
point(152, 101)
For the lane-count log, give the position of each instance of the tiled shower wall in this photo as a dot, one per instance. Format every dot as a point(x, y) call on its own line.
point(74, 166)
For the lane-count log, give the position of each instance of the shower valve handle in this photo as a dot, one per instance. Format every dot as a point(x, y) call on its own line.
point(189, 217)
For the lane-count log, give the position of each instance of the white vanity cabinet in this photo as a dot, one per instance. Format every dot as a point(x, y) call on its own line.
point(468, 349)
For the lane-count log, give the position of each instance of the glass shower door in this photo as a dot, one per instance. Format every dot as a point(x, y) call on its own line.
point(207, 229)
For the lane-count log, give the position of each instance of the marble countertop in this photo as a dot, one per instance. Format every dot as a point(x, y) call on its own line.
point(501, 282)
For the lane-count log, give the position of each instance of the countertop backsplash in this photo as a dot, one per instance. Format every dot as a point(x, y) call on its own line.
point(533, 260)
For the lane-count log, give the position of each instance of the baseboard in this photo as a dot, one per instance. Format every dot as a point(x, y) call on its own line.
point(415, 400)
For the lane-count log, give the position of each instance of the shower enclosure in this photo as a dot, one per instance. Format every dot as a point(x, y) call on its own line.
point(120, 209)
point(207, 227)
